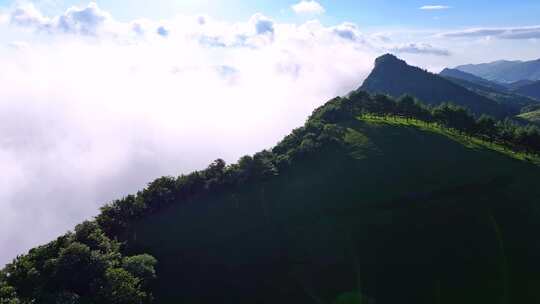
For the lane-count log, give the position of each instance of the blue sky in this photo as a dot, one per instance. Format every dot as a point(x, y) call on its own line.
point(366, 13)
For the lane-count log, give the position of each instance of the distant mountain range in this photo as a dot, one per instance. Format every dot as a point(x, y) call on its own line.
point(458, 74)
point(518, 84)
point(395, 77)
point(505, 71)
point(513, 93)
point(508, 95)
point(531, 90)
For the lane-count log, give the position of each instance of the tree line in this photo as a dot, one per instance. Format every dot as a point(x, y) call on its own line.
point(507, 132)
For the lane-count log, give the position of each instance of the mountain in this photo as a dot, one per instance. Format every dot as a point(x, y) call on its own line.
point(395, 77)
point(457, 74)
point(365, 203)
point(505, 71)
point(511, 99)
point(531, 90)
point(516, 85)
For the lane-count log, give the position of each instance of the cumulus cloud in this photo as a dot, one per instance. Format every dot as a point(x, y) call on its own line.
point(4, 18)
point(434, 7)
point(262, 24)
point(525, 32)
point(86, 21)
point(162, 31)
point(348, 31)
point(420, 48)
point(85, 121)
point(308, 7)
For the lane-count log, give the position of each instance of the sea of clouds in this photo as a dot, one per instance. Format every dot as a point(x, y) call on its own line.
point(92, 109)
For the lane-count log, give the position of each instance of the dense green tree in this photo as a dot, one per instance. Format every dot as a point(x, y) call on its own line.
point(141, 266)
point(122, 288)
point(8, 295)
point(485, 126)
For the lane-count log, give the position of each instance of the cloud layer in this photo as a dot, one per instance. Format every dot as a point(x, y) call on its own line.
point(434, 7)
point(308, 7)
point(86, 21)
point(526, 32)
point(92, 109)
point(421, 48)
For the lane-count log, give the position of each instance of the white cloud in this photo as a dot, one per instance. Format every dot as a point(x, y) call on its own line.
point(420, 48)
point(86, 20)
point(525, 32)
point(348, 31)
point(85, 121)
point(308, 7)
point(4, 18)
point(262, 24)
point(434, 7)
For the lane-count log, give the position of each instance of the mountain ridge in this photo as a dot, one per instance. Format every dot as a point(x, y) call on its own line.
point(395, 77)
point(505, 71)
point(531, 90)
point(455, 73)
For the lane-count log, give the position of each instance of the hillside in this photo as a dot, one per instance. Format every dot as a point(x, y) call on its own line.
point(457, 74)
point(532, 90)
point(365, 202)
point(511, 99)
point(326, 227)
point(395, 77)
point(517, 84)
point(505, 71)
point(532, 117)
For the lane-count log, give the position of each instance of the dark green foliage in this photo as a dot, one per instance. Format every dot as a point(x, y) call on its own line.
point(80, 267)
point(141, 266)
point(8, 295)
point(122, 287)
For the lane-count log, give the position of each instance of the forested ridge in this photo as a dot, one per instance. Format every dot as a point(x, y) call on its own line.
point(395, 77)
point(94, 263)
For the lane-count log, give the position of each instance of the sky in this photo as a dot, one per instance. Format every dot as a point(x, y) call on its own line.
point(99, 98)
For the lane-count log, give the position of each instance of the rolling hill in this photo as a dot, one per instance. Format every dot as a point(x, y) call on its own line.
point(349, 208)
point(326, 228)
point(509, 98)
point(531, 117)
point(457, 74)
point(505, 71)
point(395, 77)
point(517, 84)
point(531, 90)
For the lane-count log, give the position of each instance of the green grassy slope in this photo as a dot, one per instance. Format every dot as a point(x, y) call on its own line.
point(533, 117)
point(402, 214)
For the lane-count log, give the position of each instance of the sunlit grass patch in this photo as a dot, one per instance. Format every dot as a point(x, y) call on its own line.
point(468, 141)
